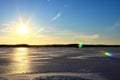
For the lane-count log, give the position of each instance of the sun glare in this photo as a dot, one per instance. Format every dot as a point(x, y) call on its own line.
point(22, 29)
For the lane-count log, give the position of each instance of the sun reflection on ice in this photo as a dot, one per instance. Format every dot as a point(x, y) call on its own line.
point(21, 59)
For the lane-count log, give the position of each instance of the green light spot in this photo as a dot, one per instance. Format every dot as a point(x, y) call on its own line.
point(80, 45)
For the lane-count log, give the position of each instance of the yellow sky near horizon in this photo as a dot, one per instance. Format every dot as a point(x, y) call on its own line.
point(47, 39)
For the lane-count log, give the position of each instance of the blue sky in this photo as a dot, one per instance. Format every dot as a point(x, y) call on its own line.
point(61, 21)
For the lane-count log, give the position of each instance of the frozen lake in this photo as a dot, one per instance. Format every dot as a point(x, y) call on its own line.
point(90, 60)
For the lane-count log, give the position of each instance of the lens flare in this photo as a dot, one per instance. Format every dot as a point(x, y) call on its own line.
point(80, 45)
point(108, 54)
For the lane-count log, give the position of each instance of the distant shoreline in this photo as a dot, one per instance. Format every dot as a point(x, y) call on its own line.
point(57, 45)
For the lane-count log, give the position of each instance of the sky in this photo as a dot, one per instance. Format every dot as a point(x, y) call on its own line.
point(60, 21)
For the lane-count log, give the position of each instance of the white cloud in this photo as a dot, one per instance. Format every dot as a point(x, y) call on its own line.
point(57, 16)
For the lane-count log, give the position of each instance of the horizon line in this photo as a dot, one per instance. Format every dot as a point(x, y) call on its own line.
point(58, 45)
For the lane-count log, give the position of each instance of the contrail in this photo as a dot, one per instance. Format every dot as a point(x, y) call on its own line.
point(35, 33)
point(57, 16)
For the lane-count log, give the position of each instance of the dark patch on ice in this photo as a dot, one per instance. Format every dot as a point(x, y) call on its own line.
point(60, 78)
point(1, 78)
point(103, 58)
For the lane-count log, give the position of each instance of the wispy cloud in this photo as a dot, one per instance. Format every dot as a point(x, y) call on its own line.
point(5, 30)
point(6, 27)
point(57, 16)
point(94, 36)
point(72, 35)
point(115, 26)
point(66, 36)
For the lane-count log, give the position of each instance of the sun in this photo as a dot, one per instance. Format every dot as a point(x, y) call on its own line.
point(22, 29)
